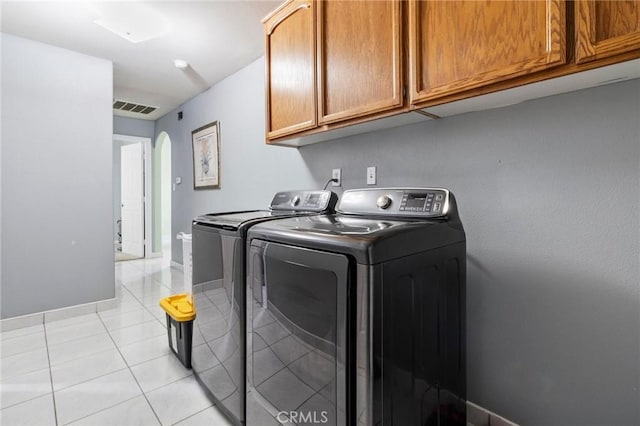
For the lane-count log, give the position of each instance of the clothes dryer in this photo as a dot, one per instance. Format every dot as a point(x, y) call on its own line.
point(358, 318)
point(218, 256)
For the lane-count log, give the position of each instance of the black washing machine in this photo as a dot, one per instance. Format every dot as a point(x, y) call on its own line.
point(218, 256)
point(358, 318)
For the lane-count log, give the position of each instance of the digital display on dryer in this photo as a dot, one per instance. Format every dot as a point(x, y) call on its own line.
point(313, 199)
point(416, 200)
point(419, 202)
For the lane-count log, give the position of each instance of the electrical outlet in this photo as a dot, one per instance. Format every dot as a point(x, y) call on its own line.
point(337, 174)
point(371, 175)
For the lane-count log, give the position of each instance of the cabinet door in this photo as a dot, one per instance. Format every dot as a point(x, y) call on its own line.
point(290, 66)
point(606, 28)
point(360, 58)
point(459, 45)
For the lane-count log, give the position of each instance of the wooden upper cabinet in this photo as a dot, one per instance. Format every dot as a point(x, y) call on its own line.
point(359, 58)
point(459, 45)
point(290, 54)
point(606, 28)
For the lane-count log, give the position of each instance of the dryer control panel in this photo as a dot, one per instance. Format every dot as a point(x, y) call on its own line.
point(304, 200)
point(415, 202)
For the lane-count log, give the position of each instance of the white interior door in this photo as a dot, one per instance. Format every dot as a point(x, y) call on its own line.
point(132, 199)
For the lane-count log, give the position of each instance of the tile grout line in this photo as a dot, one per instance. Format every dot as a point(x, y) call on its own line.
point(8, 339)
point(53, 393)
point(75, 339)
point(26, 400)
point(145, 307)
point(151, 277)
point(74, 360)
point(133, 375)
point(84, 381)
point(49, 364)
point(88, 380)
point(127, 366)
point(192, 415)
point(192, 373)
point(101, 410)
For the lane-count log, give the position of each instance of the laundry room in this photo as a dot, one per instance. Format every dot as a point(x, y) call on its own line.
point(541, 174)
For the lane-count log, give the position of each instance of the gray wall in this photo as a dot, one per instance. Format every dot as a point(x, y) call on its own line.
point(548, 192)
point(133, 127)
point(57, 247)
point(129, 127)
point(251, 172)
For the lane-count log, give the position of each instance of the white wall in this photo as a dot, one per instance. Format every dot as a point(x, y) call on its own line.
point(57, 224)
point(251, 172)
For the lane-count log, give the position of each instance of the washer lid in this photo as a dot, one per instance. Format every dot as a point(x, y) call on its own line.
point(369, 240)
point(283, 204)
point(344, 225)
point(235, 220)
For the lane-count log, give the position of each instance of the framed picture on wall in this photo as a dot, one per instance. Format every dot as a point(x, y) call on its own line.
point(206, 156)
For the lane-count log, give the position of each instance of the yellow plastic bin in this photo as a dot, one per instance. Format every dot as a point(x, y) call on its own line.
point(180, 314)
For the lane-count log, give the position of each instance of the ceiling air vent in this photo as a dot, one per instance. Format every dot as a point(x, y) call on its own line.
point(131, 107)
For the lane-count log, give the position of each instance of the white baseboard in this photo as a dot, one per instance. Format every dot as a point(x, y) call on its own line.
point(39, 318)
point(154, 255)
point(176, 265)
point(22, 321)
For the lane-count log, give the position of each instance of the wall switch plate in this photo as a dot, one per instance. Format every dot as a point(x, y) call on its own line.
point(337, 174)
point(371, 175)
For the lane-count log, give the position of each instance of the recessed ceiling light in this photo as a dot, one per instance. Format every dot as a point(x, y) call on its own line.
point(180, 64)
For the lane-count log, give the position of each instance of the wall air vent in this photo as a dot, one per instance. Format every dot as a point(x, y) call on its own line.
point(131, 107)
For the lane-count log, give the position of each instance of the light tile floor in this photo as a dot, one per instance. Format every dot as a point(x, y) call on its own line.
point(110, 368)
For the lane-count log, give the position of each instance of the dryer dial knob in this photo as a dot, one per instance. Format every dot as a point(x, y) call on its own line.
point(384, 202)
point(296, 200)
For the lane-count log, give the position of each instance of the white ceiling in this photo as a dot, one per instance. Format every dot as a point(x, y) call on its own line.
point(217, 38)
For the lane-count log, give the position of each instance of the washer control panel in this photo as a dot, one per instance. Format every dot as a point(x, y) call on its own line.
point(416, 202)
point(431, 201)
point(304, 200)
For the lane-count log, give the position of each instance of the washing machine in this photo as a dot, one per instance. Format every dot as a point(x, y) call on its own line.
point(358, 318)
point(218, 259)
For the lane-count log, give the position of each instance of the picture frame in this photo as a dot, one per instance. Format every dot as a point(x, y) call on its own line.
point(206, 156)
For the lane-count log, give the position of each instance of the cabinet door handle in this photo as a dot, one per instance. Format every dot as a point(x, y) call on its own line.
point(291, 12)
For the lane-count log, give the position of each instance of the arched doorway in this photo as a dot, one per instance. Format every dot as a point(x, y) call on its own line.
point(163, 185)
